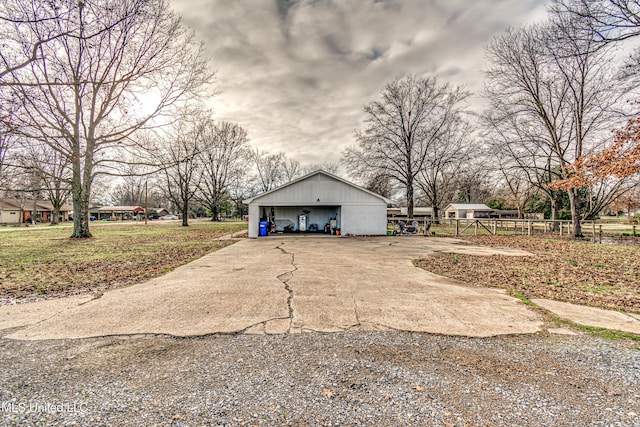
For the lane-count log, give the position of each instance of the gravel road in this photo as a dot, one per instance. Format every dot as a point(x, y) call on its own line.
point(380, 379)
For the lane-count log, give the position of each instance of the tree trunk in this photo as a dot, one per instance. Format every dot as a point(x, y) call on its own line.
point(80, 195)
point(35, 209)
point(185, 214)
point(436, 215)
point(214, 213)
point(575, 215)
point(55, 214)
point(555, 226)
point(410, 200)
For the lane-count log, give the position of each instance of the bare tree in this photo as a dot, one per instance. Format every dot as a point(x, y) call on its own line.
point(53, 174)
point(400, 130)
point(130, 190)
point(445, 162)
point(380, 183)
point(177, 153)
point(223, 159)
point(291, 170)
point(558, 94)
point(21, 48)
point(269, 169)
point(6, 141)
point(604, 20)
point(332, 168)
point(111, 70)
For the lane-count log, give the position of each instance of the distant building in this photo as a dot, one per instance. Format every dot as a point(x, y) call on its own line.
point(16, 211)
point(468, 211)
point(418, 211)
point(119, 213)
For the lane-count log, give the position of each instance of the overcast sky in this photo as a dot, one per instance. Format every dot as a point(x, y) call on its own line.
point(296, 74)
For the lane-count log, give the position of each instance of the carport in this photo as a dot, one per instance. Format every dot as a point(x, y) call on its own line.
point(319, 203)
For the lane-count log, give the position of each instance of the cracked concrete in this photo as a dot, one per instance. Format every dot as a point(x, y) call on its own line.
point(289, 285)
point(295, 285)
point(284, 278)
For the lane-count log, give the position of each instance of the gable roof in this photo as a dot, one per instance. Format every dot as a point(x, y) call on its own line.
point(469, 206)
point(314, 173)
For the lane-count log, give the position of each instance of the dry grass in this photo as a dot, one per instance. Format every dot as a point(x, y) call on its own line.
point(43, 263)
point(562, 269)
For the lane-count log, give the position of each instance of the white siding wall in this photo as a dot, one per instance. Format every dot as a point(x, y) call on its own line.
point(9, 217)
point(318, 190)
point(254, 219)
point(364, 219)
point(359, 212)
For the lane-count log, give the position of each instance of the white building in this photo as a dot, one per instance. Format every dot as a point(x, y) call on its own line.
point(470, 211)
point(319, 202)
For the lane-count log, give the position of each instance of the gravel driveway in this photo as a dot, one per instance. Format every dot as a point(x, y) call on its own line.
point(363, 378)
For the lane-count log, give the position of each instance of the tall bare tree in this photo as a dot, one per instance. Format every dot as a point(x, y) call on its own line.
point(222, 158)
point(552, 93)
point(412, 116)
point(111, 70)
point(177, 154)
point(444, 164)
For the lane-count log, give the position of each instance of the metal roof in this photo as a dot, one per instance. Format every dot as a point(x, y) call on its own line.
point(314, 173)
point(469, 207)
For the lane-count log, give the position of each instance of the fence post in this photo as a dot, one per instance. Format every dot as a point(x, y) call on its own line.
point(600, 232)
point(529, 228)
point(495, 227)
point(457, 226)
point(593, 230)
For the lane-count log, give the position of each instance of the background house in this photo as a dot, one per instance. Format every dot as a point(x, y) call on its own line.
point(17, 211)
point(464, 210)
point(120, 212)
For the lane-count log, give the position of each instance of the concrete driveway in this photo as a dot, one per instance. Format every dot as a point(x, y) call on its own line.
point(289, 285)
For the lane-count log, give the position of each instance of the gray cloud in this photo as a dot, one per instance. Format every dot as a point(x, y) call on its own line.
point(296, 74)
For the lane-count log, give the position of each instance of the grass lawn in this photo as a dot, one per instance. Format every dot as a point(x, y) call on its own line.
point(569, 270)
point(45, 262)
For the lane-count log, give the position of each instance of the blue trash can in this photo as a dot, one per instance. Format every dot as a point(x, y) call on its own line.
point(264, 227)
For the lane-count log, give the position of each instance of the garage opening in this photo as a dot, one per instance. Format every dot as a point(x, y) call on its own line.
point(301, 219)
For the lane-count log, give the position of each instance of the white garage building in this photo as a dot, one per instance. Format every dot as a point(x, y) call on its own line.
point(319, 202)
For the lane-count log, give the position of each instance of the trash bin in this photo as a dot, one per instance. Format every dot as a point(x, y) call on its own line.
point(264, 227)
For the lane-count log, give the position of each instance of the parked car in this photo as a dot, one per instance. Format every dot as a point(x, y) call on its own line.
point(169, 217)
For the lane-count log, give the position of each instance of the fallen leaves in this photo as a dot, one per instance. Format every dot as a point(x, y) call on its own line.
point(328, 393)
point(566, 270)
point(44, 264)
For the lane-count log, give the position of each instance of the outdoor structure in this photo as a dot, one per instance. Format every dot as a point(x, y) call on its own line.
point(319, 202)
point(17, 211)
point(119, 213)
point(418, 211)
point(469, 211)
point(160, 211)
